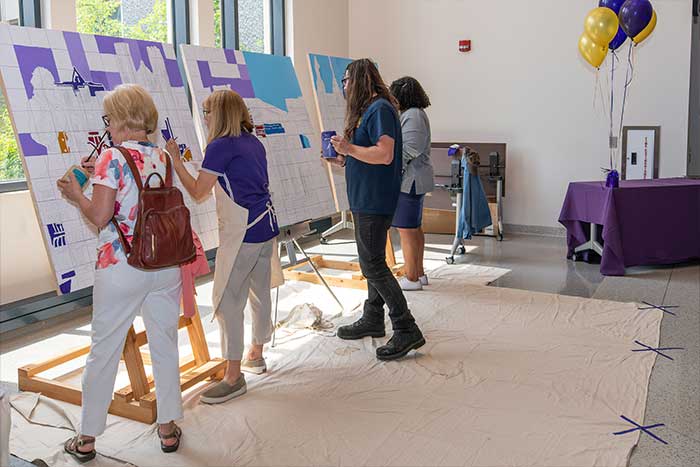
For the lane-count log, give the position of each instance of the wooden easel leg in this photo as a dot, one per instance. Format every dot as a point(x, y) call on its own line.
point(390, 256)
point(134, 365)
point(198, 339)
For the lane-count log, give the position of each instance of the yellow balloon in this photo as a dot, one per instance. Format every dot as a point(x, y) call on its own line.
point(646, 32)
point(593, 53)
point(602, 25)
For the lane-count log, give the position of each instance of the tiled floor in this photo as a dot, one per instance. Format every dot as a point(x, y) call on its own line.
point(538, 264)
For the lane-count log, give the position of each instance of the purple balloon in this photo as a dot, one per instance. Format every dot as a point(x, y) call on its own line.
point(614, 5)
point(635, 15)
point(619, 39)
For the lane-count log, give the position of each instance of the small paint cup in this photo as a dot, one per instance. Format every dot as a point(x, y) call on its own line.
point(327, 146)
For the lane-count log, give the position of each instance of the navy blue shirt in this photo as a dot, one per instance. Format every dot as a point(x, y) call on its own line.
point(241, 165)
point(374, 189)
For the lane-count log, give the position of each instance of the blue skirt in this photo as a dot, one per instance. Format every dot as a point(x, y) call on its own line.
point(409, 210)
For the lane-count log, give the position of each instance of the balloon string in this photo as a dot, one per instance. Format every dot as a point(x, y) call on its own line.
point(612, 105)
point(628, 81)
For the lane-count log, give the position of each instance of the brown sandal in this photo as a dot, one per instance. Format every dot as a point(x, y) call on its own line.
point(71, 447)
point(176, 433)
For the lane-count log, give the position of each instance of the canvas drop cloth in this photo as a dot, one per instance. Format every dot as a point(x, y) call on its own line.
point(507, 377)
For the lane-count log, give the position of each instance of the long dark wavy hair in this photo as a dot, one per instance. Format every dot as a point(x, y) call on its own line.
point(365, 85)
point(409, 93)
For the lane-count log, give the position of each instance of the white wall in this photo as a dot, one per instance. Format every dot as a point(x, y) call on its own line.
point(525, 84)
point(24, 265)
point(315, 26)
point(59, 14)
point(694, 136)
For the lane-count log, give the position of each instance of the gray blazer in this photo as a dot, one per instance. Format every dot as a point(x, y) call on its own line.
point(415, 129)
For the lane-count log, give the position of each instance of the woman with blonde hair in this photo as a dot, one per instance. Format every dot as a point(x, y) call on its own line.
point(121, 291)
point(247, 228)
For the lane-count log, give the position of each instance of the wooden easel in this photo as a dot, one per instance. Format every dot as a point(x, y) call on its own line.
point(356, 281)
point(137, 401)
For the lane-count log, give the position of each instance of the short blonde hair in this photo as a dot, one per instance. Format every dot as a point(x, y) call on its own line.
point(228, 114)
point(130, 106)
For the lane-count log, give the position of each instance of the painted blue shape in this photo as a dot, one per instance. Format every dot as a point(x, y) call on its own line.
point(80, 177)
point(274, 128)
point(273, 77)
point(339, 65)
point(30, 147)
point(57, 234)
point(305, 142)
point(78, 82)
point(167, 132)
point(66, 286)
point(321, 68)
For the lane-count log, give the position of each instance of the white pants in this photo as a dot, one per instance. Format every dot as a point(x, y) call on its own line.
point(4, 428)
point(249, 282)
point(119, 293)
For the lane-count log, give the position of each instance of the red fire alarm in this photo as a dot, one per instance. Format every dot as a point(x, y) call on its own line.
point(465, 46)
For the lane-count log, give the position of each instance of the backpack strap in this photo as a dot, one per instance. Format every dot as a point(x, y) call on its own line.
point(168, 170)
point(137, 178)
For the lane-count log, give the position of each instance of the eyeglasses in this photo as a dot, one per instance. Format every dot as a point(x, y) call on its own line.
point(105, 120)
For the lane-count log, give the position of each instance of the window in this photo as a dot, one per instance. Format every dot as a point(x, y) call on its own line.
point(135, 19)
point(254, 26)
point(217, 23)
point(248, 27)
point(10, 163)
point(9, 11)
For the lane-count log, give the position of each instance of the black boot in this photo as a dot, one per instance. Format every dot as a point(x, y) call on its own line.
point(400, 344)
point(363, 327)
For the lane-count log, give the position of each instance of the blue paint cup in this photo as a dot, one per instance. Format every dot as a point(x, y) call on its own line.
point(326, 146)
point(80, 175)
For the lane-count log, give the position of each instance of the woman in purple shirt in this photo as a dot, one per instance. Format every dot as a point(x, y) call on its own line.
point(236, 159)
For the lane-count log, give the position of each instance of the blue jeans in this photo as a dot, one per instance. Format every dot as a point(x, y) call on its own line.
point(382, 287)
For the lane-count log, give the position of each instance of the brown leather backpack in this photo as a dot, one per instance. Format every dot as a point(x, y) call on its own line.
point(162, 234)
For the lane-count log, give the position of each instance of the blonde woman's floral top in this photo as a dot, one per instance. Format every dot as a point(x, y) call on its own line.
point(112, 171)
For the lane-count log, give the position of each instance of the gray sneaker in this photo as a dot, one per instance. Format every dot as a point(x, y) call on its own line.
point(223, 391)
point(257, 367)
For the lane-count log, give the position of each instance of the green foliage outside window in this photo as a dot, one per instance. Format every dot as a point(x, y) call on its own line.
point(102, 17)
point(10, 163)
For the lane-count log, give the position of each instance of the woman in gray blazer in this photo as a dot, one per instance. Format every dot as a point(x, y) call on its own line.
point(417, 178)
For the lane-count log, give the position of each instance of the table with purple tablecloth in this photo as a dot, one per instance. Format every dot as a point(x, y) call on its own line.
point(644, 222)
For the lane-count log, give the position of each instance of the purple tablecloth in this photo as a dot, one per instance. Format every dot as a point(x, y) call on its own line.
point(644, 221)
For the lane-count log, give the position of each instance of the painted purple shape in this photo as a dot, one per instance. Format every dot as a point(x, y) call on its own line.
point(110, 79)
point(76, 52)
point(173, 69)
point(244, 87)
point(243, 70)
point(230, 56)
point(139, 54)
point(31, 58)
point(30, 147)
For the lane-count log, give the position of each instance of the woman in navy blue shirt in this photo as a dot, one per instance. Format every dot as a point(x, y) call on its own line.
point(371, 152)
point(236, 159)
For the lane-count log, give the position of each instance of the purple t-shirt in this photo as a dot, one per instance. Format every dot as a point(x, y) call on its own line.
point(241, 165)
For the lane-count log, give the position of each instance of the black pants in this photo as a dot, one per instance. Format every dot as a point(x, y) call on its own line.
point(382, 287)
